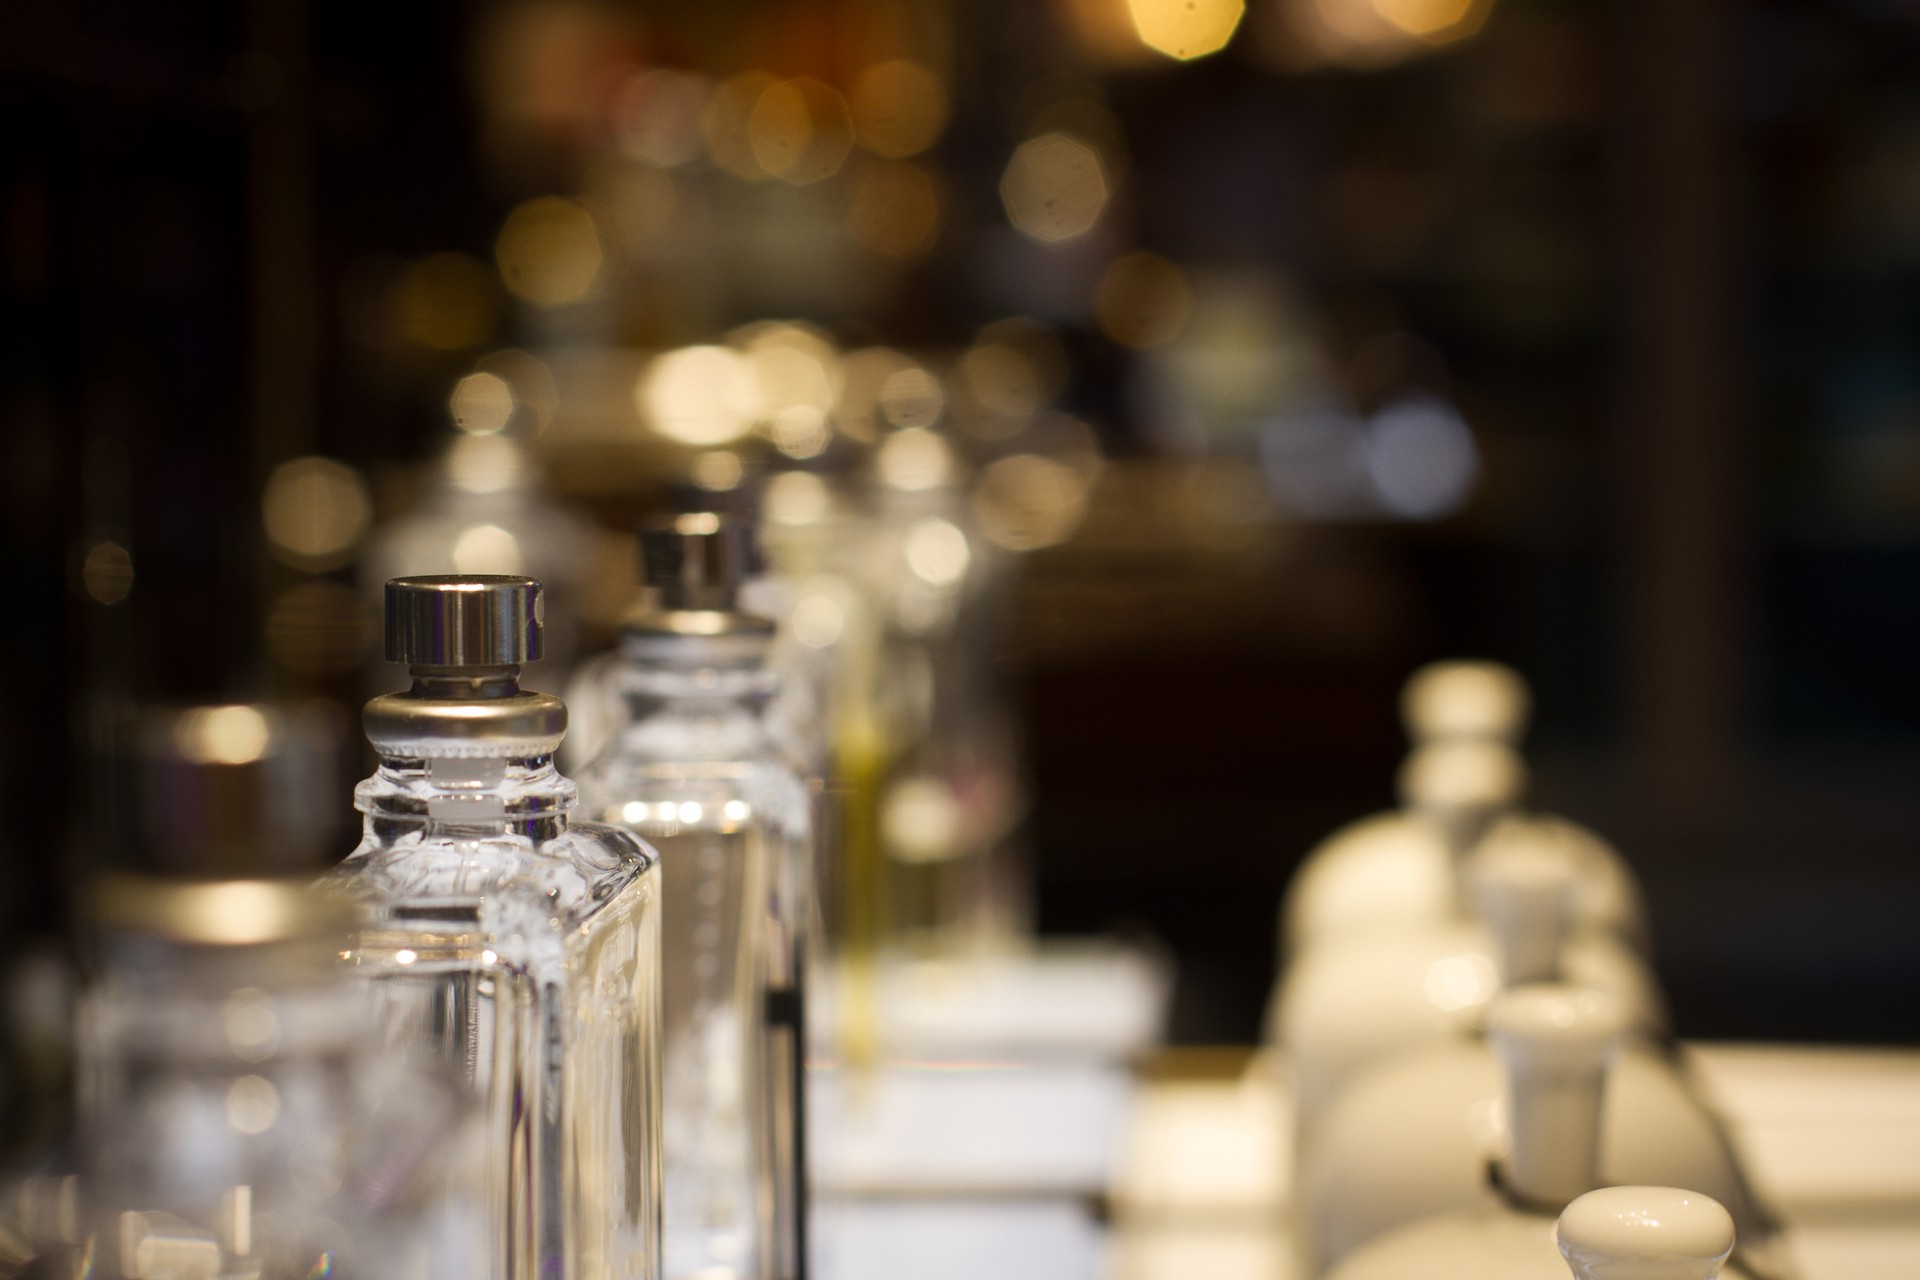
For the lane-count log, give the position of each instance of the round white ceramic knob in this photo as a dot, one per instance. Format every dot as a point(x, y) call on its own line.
point(1465, 700)
point(1645, 1233)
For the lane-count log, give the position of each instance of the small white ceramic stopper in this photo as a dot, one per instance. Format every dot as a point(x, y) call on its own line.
point(1520, 882)
point(1645, 1233)
point(1556, 1043)
point(1462, 785)
point(1465, 700)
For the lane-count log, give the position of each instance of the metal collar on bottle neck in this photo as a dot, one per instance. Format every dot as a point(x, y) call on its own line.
point(464, 638)
point(694, 565)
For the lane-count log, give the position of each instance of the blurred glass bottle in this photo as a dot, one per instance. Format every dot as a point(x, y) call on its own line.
point(509, 942)
point(483, 510)
point(235, 1117)
point(697, 772)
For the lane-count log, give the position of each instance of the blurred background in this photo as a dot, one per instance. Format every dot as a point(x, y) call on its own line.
point(1287, 345)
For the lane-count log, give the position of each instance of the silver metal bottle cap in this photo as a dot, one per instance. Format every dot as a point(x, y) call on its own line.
point(234, 790)
point(464, 620)
point(695, 561)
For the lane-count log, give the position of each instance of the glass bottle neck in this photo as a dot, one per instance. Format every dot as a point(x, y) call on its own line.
point(468, 795)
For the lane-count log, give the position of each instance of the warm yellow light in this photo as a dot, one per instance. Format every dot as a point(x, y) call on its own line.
point(862, 375)
point(315, 511)
point(796, 368)
point(1186, 29)
point(702, 396)
point(485, 464)
point(725, 124)
point(481, 403)
point(796, 498)
point(799, 131)
point(895, 209)
point(818, 621)
point(487, 548)
point(717, 470)
point(1143, 301)
point(107, 573)
point(911, 397)
point(937, 552)
point(446, 301)
point(1024, 501)
point(1435, 21)
point(1054, 188)
point(899, 109)
point(222, 735)
point(1004, 384)
point(549, 252)
point(914, 459)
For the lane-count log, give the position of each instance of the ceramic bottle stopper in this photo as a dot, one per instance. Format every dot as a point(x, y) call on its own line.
point(1460, 699)
point(1555, 1043)
point(1520, 882)
point(1645, 1233)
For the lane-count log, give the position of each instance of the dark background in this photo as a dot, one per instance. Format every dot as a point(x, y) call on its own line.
point(1665, 255)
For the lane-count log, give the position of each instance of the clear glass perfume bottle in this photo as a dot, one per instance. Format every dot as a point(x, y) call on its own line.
point(696, 771)
point(236, 1118)
point(508, 941)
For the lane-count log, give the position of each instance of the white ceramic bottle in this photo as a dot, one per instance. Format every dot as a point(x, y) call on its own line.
point(1555, 1043)
point(1349, 1005)
point(1465, 721)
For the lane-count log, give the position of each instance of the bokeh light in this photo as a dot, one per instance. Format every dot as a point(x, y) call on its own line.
point(106, 573)
point(1143, 301)
point(481, 403)
point(1024, 502)
point(549, 252)
point(702, 396)
point(319, 628)
point(221, 735)
point(315, 511)
point(899, 108)
point(717, 470)
point(1421, 457)
point(729, 109)
point(1186, 29)
point(914, 459)
point(894, 209)
point(1435, 21)
point(799, 131)
point(795, 498)
point(937, 552)
point(1054, 188)
point(485, 464)
point(912, 397)
point(487, 548)
point(863, 373)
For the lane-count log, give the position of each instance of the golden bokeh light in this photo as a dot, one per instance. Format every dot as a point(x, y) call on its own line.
point(701, 396)
point(657, 116)
point(315, 511)
point(319, 628)
point(1002, 384)
point(481, 403)
point(914, 459)
point(795, 365)
point(485, 464)
point(1435, 21)
point(800, 432)
point(1143, 301)
point(912, 397)
point(796, 498)
point(549, 252)
point(222, 735)
point(487, 548)
point(937, 552)
point(536, 396)
point(899, 109)
point(1054, 188)
point(717, 470)
point(862, 375)
point(799, 131)
point(446, 301)
point(724, 126)
point(106, 573)
point(895, 209)
point(1024, 502)
point(1186, 29)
